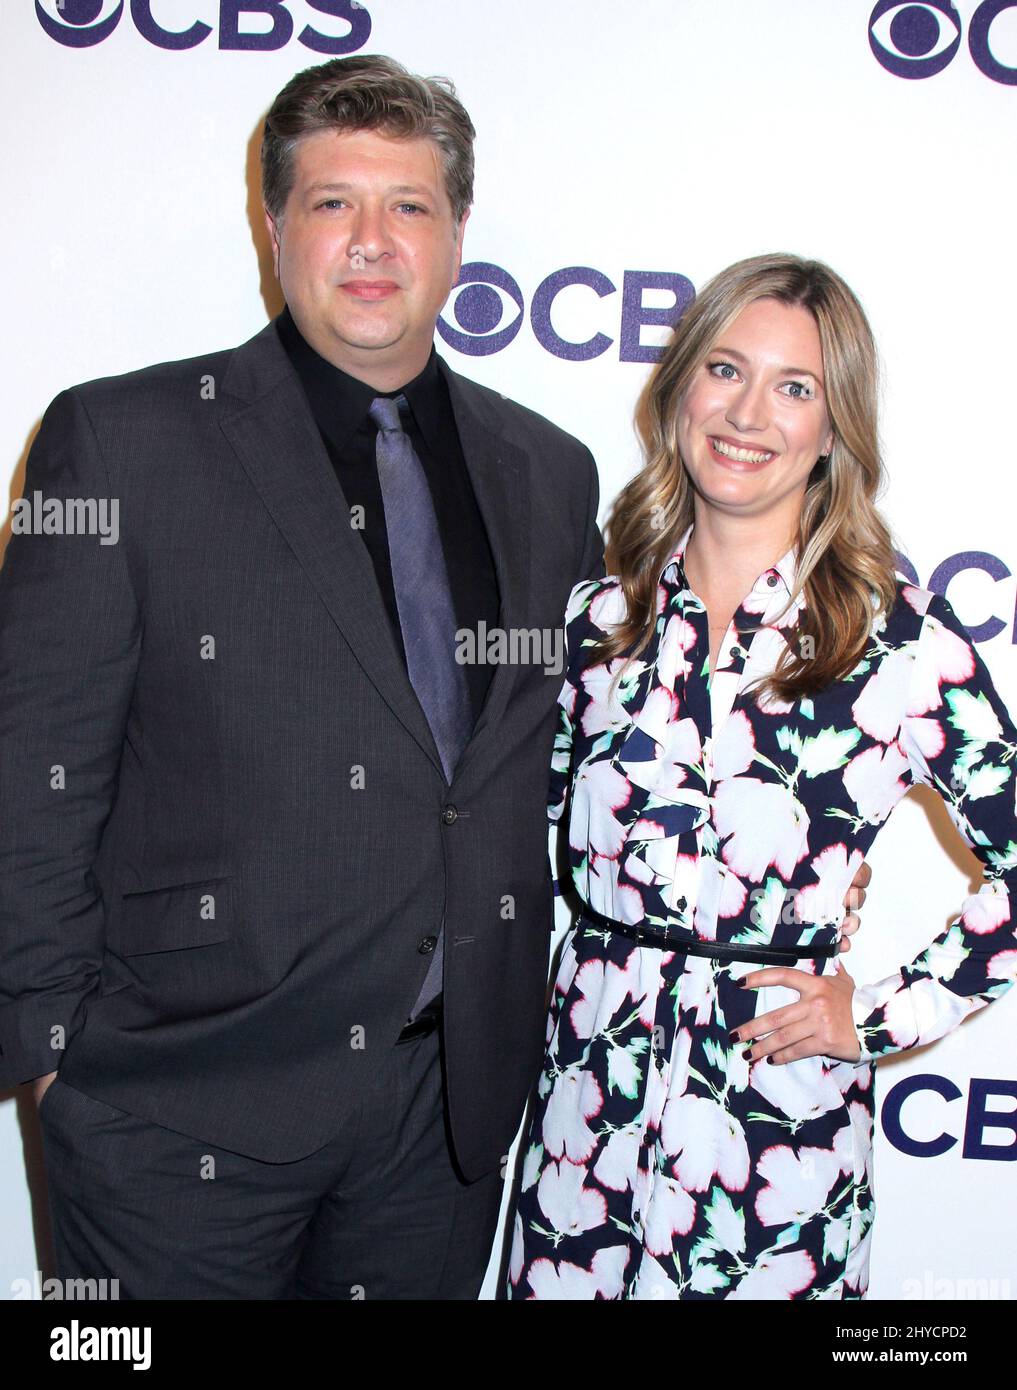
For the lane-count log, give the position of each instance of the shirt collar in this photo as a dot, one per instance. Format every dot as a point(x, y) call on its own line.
point(340, 402)
point(778, 579)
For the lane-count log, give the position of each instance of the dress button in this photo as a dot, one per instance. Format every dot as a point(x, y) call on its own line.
point(681, 904)
point(449, 814)
point(733, 653)
point(427, 945)
point(771, 579)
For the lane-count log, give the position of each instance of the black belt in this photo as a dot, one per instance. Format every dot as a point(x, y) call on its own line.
point(716, 950)
point(424, 1023)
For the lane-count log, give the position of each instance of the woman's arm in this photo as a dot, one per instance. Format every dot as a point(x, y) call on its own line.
point(959, 738)
point(561, 756)
point(576, 612)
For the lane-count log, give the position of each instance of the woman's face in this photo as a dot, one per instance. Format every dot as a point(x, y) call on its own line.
point(754, 421)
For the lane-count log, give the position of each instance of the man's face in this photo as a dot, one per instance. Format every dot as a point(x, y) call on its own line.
point(368, 251)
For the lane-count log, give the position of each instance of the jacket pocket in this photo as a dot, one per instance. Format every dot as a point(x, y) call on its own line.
point(173, 917)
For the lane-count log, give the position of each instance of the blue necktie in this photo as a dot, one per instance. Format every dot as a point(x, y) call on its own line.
point(424, 600)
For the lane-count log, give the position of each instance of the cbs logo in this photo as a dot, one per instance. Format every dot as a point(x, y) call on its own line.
point(919, 40)
point(84, 23)
point(981, 1117)
point(485, 295)
point(965, 562)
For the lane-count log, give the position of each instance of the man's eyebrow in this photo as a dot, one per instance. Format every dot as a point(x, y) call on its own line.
point(328, 187)
point(794, 371)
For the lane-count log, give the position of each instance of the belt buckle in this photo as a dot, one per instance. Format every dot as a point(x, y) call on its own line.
point(662, 938)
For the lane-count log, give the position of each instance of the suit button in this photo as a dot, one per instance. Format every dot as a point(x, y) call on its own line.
point(449, 814)
point(427, 945)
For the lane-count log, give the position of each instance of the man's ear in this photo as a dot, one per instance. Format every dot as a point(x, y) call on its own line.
point(460, 232)
point(273, 233)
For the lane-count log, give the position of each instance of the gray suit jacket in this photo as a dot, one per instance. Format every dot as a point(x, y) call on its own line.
point(225, 835)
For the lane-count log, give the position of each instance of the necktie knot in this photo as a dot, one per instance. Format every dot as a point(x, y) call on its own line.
point(384, 411)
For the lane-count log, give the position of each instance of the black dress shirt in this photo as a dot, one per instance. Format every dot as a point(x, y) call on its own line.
point(339, 404)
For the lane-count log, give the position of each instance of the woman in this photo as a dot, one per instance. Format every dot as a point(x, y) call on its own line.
point(747, 696)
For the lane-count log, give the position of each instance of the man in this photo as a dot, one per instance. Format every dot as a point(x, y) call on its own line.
point(274, 895)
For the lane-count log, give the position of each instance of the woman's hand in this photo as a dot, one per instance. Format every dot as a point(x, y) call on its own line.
point(853, 899)
point(818, 1024)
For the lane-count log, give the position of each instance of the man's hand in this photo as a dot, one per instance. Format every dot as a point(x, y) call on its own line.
point(40, 1086)
point(818, 1024)
point(853, 898)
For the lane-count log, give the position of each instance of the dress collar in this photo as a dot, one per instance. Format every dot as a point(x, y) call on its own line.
point(779, 577)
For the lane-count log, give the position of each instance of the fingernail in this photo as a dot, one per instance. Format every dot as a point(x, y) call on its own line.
point(732, 1033)
point(769, 1058)
point(741, 983)
point(747, 1053)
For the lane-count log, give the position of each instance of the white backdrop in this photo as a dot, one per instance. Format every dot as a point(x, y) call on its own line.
point(663, 136)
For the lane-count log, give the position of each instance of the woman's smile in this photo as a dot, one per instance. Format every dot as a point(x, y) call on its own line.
point(725, 451)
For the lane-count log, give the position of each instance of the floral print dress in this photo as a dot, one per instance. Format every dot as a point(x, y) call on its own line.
point(659, 1162)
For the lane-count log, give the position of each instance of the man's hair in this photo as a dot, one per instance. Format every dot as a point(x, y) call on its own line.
point(367, 92)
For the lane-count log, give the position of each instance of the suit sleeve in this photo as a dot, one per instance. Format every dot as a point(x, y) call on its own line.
point(70, 637)
point(591, 566)
point(959, 738)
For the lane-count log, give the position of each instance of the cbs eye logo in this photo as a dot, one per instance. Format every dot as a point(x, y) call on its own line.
point(479, 308)
point(919, 40)
point(84, 23)
point(79, 23)
point(485, 295)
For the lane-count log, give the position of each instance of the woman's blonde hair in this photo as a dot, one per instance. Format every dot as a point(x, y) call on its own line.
point(846, 557)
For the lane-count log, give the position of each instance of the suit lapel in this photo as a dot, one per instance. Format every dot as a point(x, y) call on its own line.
point(273, 433)
point(270, 427)
point(499, 473)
